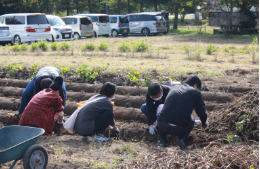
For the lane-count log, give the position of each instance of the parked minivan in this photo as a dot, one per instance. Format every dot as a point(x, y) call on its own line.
point(101, 24)
point(119, 25)
point(82, 26)
point(59, 30)
point(146, 23)
point(27, 27)
point(5, 34)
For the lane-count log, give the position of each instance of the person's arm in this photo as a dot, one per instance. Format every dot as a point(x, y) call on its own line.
point(150, 110)
point(200, 109)
point(37, 86)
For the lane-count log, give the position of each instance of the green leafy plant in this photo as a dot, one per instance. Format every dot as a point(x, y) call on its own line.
point(124, 47)
point(103, 46)
point(210, 49)
point(16, 48)
point(54, 46)
point(43, 45)
point(64, 46)
point(88, 73)
point(187, 49)
point(140, 46)
point(254, 49)
point(34, 47)
point(88, 47)
point(24, 47)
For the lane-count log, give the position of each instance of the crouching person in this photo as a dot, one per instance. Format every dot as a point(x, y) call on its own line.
point(97, 114)
point(175, 117)
point(43, 106)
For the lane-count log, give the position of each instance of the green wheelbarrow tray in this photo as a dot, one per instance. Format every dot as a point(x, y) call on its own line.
point(16, 140)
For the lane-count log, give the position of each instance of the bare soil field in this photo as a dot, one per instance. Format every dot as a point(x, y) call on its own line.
point(219, 146)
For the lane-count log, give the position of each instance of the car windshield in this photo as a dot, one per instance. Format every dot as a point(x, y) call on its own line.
point(56, 21)
point(123, 19)
point(1, 20)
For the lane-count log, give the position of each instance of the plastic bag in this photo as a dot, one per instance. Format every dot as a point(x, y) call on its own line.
point(69, 124)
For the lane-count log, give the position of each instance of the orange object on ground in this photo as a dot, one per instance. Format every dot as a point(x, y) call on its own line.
point(80, 104)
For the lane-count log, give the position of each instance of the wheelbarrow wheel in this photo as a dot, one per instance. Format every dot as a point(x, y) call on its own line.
point(35, 157)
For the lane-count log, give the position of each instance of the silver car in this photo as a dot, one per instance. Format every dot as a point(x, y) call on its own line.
point(146, 24)
point(5, 34)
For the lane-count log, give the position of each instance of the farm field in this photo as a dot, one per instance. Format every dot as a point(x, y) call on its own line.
point(228, 68)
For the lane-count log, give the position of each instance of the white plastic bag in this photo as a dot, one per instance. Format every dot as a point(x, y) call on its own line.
point(69, 124)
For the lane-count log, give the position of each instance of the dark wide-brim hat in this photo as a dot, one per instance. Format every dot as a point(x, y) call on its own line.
point(57, 84)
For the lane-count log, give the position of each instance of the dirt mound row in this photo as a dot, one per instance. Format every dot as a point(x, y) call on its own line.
point(78, 87)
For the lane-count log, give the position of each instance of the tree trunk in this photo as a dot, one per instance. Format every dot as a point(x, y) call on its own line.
point(68, 10)
point(231, 13)
point(6, 7)
point(175, 25)
point(20, 6)
point(182, 19)
point(155, 5)
point(141, 6)
point(89, 6)
point(118, 7)
point(128, 6)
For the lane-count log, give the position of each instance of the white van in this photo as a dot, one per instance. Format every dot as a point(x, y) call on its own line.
point(59, 30)
point(82, 26)
point(101, 24)
point(27, 27)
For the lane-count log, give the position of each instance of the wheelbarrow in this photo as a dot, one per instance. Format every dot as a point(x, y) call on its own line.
point(18, 142)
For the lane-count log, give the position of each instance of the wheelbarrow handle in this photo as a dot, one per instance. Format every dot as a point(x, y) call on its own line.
point(15, 161)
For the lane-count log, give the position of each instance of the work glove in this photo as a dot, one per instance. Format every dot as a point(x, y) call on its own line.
point(198, 122)
point(151, 130)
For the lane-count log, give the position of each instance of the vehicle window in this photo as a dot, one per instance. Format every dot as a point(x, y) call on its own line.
point(123, 19)
point(113, 19)
point(134, 18)
point(15, 20)
point(103, 19)
point(148, 18)
point(56, 21)
point(70, 21)
point(166, 16)
point(94, 18)
point(85, 21)
point(2, 20)
point(37, 19)
point(4, 28)
point(159, 18)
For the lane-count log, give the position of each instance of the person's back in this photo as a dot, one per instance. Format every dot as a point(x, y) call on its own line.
point(85, 122)
point(180, 102)
point(49, 71)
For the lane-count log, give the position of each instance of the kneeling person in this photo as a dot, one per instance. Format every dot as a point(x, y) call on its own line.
point(41, 110)
point(156, 95)
point(175, 117)
point(94, 117)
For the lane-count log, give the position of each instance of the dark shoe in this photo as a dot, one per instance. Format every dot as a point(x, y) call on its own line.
point(162, 143)
point(182, 144)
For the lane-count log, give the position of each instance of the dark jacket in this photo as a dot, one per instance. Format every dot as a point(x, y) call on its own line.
point(47, 72)
point(152, 105)
point(179, 104)
point(85, 122)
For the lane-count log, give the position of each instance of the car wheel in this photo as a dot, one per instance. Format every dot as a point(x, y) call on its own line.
point(155, 34)
point(95, 34)
point(145, 31)
point(76, 36)
point(125, 34)
point(165, 32)
point(17, 39)
point(114, 33)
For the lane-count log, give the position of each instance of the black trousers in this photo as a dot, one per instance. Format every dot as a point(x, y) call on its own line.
point(103, 121)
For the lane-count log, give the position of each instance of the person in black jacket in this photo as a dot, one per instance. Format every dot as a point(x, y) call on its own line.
point(175, 117)
point(43, 77)
point(156, 95)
